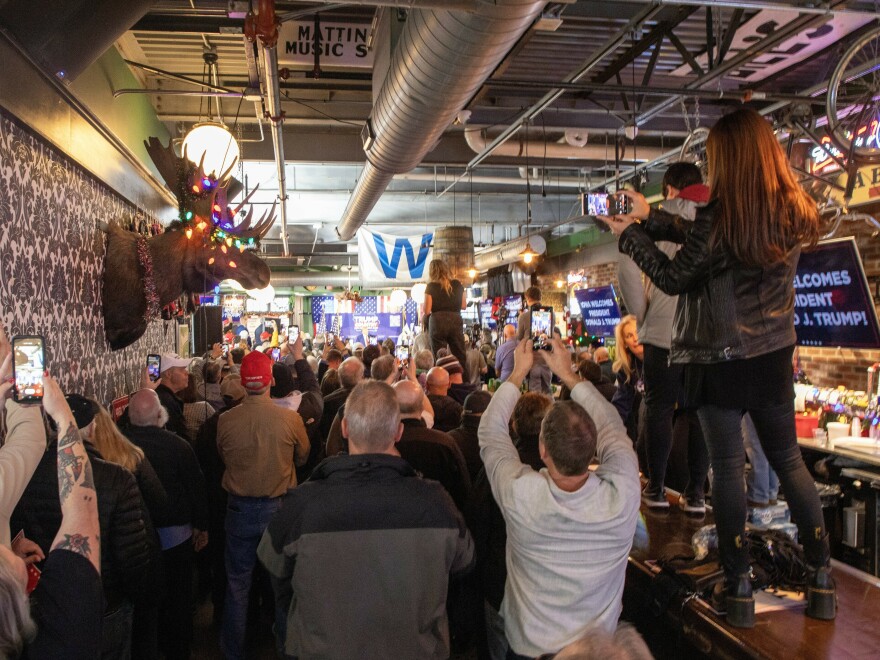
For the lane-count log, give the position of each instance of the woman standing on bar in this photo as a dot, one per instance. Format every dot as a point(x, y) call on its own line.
point(734, 331)
point(444, 300)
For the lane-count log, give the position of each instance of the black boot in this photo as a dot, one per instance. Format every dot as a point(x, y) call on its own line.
point(734, 597)
point(821, 594)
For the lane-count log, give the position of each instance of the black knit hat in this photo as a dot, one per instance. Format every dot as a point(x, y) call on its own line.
point(284, 381)
point(83, 409)
point(476, 403)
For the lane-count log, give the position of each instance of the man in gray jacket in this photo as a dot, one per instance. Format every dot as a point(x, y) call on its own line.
point(683, 192)
point(360, 555)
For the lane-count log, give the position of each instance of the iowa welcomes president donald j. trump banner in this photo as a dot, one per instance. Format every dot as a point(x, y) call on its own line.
point(400, 259)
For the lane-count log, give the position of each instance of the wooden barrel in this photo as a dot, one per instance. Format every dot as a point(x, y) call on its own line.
point(455, 246)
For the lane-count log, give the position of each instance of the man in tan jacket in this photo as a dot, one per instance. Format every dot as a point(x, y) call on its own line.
point(260, 444)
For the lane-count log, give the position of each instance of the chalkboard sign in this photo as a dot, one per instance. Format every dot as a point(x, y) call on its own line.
point(599, 310)
point(832, 302)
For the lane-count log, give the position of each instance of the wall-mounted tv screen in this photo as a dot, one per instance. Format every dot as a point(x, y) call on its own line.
point(832, 302)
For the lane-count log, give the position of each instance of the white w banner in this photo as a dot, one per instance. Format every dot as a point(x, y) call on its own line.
point(399, 259)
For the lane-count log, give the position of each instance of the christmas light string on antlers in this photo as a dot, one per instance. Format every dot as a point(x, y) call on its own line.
point(202, 202)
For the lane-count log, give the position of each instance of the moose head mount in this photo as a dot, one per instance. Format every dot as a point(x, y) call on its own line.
point(197, 251)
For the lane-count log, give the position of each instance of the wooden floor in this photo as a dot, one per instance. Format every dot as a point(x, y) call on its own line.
point(692, 628)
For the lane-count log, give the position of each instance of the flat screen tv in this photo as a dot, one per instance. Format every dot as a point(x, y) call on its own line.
point(833, 305)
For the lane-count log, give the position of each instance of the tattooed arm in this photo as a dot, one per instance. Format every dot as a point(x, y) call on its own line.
point(79, 531)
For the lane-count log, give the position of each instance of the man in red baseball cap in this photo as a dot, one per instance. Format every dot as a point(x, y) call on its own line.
point(260, 444)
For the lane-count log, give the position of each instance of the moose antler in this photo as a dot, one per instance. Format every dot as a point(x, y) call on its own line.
point(244, 230)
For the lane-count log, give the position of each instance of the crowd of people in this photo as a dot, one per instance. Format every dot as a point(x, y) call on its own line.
point(380, 507)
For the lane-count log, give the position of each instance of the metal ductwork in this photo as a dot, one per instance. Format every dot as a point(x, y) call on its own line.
point(478, 142)
point(441, 60)
point(507, 253)
point(337, 279)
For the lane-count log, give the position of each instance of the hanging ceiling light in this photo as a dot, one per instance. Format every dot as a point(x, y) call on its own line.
point(417, 293)
point(214, 142)
point(211, 139)
point(528, 255)
point(398, 298)
point(472, 273)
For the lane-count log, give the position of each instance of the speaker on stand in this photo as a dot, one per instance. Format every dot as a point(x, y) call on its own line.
point(207, 329)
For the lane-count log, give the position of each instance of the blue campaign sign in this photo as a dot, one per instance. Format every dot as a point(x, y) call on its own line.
point(832, 302)
point(599, 309)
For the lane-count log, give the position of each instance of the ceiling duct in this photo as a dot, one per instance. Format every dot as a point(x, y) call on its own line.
point(478, 142)
point(66, 36)
point(507, 253)
point(441, 60)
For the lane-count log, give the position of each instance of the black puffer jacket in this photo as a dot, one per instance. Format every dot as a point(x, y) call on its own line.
point(726, 310)
point(126, 548)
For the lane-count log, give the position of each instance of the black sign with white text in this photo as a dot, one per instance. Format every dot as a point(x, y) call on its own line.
point(832, 303)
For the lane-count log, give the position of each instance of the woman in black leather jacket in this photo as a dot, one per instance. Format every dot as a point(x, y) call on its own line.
point(734, 331)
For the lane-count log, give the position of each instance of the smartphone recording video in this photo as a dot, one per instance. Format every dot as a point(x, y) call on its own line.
point(605, 204)
point(542, 328)
point(292, 334)
point(402, 353)
point(29, 364)
point(276, 354)
point(154, 367)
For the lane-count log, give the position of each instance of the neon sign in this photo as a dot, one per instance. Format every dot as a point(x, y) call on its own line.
point(866, 137)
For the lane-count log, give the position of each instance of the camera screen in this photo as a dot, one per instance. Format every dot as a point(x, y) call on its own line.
point(597, 204)
point(29, 367)
point(153, 362)
point(542, 322)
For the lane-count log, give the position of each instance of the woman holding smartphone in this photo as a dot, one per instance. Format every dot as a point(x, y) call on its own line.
point(444, 300)
point(734, 332)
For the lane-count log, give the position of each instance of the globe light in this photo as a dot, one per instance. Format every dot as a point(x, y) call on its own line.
point(264, 295)
point(218, 145)
point(417, 293)
point(398, 298)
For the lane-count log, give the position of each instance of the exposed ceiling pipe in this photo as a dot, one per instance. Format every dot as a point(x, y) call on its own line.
point(336, 278)
point(539, 149)
point(624, 33)
point(507, 253)
point(263, 25)
point(462, 5)
point(441, 179)
point(441, 60)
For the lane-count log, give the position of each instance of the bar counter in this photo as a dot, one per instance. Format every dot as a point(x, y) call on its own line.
point(689, 628)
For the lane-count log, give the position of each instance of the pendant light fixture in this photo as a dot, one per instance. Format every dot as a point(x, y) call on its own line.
point(528, 255)
point(211, 139)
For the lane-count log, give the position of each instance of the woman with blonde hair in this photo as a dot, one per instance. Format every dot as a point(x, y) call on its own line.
point(444, 300)
point(734, 332)
point(114, 447)
point(628, 369)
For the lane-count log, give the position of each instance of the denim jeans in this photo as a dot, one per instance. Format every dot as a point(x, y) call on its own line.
point(762, 484)
point(663, 383)
point(246, 520)
point(776, 433)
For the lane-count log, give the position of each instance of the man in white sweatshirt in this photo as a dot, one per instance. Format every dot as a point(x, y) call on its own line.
point(569, 529)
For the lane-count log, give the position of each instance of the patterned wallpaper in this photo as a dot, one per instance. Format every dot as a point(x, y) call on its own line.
point(51, 262)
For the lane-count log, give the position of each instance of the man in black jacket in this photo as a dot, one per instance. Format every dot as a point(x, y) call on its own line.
point(433, 453)
point(465, 435)
point(184, 529)
point(399, 541)
point(174, 379)
point(126, 548)
point(351, 372)
point(447, 411)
